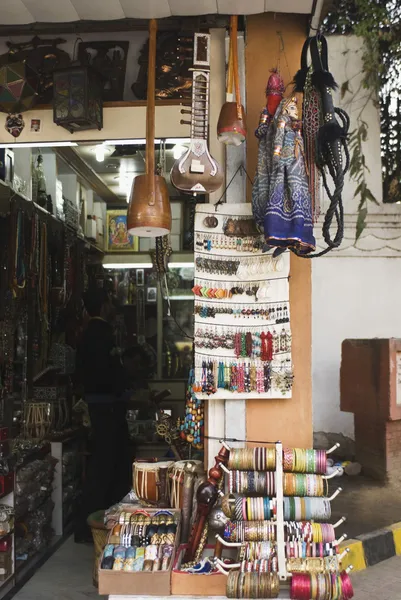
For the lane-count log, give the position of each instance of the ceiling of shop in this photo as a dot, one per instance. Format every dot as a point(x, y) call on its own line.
point(22, 12)
point(122, 164)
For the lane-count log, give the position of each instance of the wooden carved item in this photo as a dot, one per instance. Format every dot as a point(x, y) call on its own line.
point(109, 59)
point(196, 170)
point(174, 58)
point(231, 126)
point(149, 211)
point(206, 497)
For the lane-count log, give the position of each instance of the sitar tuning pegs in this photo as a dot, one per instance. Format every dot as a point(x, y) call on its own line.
point(186, 112)
point(182, 122)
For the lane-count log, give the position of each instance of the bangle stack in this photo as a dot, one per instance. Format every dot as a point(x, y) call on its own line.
point(252, 585)
point(239, 507)
point(259, 531)
point(321, 586)
point(264, 482)
point(297, 460)
point(141, 542)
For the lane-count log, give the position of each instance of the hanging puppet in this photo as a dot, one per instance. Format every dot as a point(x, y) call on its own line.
point(280, 197)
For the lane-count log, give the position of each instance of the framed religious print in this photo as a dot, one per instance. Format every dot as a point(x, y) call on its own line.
point(118, 239)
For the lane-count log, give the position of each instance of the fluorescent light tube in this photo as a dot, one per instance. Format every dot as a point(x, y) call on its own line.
point(181, 265)
point(127, 265)
point(38, 144)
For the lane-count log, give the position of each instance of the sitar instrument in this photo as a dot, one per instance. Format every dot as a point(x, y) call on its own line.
point(149, 211)
point(196, 171)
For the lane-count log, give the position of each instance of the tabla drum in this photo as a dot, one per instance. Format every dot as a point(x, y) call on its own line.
point(147, 481)
point(176, 480)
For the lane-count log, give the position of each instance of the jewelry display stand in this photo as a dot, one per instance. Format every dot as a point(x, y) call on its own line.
point(242, 315)
point(280, 526)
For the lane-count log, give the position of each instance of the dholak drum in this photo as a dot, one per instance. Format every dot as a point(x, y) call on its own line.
point(176, 479)
point(147, 481)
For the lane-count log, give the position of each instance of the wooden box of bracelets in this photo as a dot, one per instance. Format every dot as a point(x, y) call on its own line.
point(278, 510)
point(140, 553)
point(242, 313)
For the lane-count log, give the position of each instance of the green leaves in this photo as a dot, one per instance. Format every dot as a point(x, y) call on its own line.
point(344, 89)
point(361, 222)
point(358, 171)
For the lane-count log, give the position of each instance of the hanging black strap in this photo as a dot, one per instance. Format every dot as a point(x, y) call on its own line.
point(300, 76)
point(331, 145)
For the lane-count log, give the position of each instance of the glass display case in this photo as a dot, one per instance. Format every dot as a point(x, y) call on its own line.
point(160, 314)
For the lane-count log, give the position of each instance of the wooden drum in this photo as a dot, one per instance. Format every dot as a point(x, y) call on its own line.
point(147, 481)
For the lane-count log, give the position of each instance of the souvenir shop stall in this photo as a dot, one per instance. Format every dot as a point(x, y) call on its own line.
point(259, 523)
point(256, 520)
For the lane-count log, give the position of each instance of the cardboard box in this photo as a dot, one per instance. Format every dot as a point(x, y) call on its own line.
point(140, 583)
point(202, 584)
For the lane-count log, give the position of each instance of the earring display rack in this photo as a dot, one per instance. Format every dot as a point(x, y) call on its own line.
point(297, 557)
point(242, 312)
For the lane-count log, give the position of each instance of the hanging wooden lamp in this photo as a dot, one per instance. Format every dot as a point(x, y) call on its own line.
point(231, 126)
point(149, 211)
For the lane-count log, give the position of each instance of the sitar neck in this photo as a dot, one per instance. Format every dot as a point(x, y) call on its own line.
point(200, 105)
point(200, 87)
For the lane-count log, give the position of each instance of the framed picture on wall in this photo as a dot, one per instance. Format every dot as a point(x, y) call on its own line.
point(118, 239)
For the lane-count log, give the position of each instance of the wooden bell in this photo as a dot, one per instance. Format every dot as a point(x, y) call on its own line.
point(231, 126)
point(149, 211)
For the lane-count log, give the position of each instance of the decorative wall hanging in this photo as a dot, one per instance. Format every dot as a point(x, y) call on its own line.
point(18, 92)
point(174, 58)
point(149, 211)
point(196, 170)
point(118, 237)
point(43, 57)
point(109, 60)
point(231, 126)
point(242, 314)
point(77, 99)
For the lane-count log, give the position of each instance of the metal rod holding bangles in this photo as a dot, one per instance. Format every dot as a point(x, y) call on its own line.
point(336, 472)
point(219, 568)
point(342, 538)
point(335, 494)
point(333, 448)
point(343, 554)
point(228, 544)
point(231, 566)
point(349, 569)
point(226, 446)
point(340, 522)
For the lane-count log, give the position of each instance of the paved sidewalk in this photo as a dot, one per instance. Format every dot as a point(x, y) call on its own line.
point(381, 582)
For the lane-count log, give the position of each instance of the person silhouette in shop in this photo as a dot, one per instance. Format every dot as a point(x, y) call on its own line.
point(101, 375)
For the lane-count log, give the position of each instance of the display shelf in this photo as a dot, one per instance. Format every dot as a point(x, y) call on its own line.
point(57, 450)
point(9, 195)
point(7, 585)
